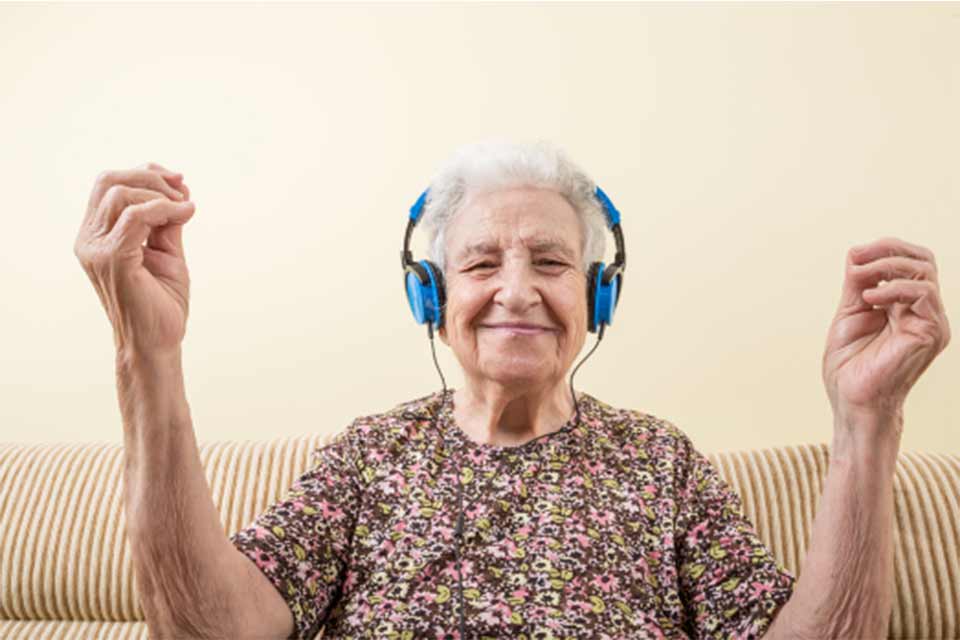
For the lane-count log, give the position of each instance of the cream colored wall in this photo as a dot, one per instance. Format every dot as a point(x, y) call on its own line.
point(748, 148)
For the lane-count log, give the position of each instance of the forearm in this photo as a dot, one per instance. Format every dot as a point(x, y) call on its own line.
point(179, 548)
point(845, 589)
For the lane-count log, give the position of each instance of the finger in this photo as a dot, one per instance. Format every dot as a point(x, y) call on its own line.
point(907, 292)
point(139, 178)
point(116, 199)
point(137, 221)
point(182, 187)
point(866, 276)
point(153, 166)
point(889, 247)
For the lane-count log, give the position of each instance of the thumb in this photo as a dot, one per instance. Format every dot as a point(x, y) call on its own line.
point(138, 221)
point(168, 238)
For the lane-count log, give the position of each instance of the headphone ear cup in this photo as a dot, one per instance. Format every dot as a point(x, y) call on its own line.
point(606, 294)
point(611, 273)
point(441, 288)
point(416, 283)
point(592, 273)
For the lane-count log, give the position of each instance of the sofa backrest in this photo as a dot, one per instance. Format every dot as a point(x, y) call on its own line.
point(64, 554)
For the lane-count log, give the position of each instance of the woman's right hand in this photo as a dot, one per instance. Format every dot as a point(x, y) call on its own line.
point(131, 247)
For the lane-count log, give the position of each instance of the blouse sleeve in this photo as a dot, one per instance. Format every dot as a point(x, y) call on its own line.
point(731, 586)
point(301, 543)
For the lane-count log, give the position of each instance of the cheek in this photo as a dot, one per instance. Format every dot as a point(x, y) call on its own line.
point(462, 310)
point(574, 308)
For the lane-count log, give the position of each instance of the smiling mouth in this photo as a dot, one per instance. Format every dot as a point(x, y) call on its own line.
point(520, 330)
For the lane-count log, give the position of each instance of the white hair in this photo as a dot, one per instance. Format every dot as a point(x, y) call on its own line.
point(491, 165)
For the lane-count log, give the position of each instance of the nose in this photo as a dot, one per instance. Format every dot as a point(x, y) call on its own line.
point(517, 292)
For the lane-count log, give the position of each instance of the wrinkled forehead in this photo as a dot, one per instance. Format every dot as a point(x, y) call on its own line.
point(541, 222)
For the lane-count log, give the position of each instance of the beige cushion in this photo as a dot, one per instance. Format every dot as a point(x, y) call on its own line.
point(64, 557)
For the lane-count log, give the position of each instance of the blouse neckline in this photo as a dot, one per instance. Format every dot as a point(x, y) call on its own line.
point(460, 438)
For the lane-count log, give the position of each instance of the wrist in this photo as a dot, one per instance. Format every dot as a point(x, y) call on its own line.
point(869, 438)
point(131, 361)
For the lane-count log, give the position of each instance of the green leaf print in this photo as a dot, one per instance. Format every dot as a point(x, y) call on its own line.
point(598, 605)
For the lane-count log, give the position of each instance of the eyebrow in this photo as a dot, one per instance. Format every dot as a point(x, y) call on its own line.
point(540, 245)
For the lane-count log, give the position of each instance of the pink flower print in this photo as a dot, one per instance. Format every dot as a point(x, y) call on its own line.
point(330, 512)
point(451, 569)
point(524, 530)
point(520, 593)
point(260, 533)
point(446, 533)
point(349, 580)
point(605, 582)
point(476, 457)
point(400, 526)
point(594, 466)
point(303, 570)
point(496, 614)
point(602, 518)
point(377, 455)
point(264, 561)
point(760, 588)
point(696, 534)
point(586, 607)
point(650, 490)
point(582, 539)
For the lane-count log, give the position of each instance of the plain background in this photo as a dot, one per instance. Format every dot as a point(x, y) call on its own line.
point(747, 146)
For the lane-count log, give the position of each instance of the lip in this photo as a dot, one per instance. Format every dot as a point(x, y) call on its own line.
point(519, 328)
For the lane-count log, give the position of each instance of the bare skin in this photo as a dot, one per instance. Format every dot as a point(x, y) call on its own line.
point(889, 327)
point(192, 582)
point(514, 256)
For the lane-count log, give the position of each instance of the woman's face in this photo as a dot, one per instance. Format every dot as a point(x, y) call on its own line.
point(513, 257)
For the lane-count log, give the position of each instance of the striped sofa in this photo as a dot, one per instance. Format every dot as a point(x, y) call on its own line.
point(66, 572)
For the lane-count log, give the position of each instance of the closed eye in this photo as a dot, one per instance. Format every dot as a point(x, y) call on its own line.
point(490, 265)
point(482, 265)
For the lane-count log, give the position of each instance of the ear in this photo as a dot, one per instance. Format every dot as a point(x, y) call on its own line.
point(443, 335)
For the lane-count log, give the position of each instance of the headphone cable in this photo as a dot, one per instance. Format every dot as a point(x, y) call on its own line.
point(458, 529)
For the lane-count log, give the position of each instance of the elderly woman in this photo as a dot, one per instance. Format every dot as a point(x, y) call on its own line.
point(513, 507)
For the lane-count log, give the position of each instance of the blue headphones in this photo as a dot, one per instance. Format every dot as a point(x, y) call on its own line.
point(426, 291)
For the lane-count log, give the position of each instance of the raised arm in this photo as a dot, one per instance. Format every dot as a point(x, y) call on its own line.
point(888, 329)
point(193, 583)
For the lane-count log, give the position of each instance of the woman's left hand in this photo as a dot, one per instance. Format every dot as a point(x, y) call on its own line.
point(883, 336)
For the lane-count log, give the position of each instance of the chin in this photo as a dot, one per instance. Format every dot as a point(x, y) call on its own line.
point(526, 374)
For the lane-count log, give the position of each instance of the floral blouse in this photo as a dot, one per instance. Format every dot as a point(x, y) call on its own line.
point(611, 528)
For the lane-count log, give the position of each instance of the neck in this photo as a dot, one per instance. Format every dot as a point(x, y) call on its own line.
point(503, 415)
